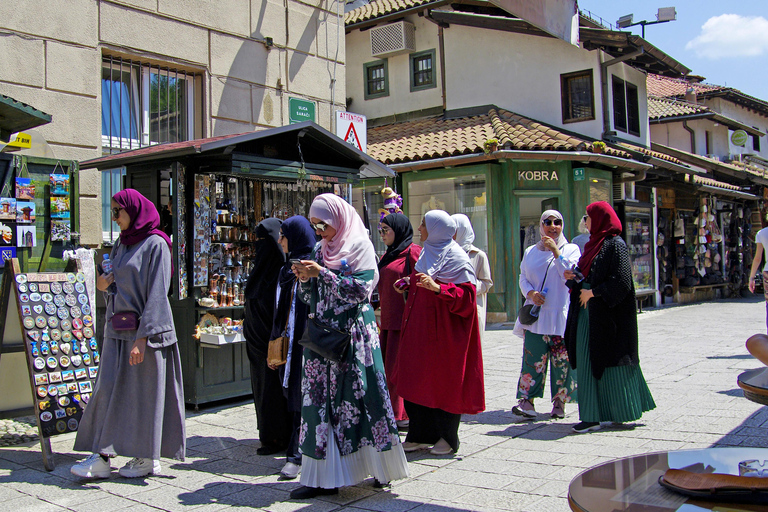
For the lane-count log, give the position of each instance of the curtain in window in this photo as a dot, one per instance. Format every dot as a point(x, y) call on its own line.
point(119, 106)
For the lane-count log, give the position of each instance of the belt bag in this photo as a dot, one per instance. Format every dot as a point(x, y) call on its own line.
point(322, 339)
point(126, 321)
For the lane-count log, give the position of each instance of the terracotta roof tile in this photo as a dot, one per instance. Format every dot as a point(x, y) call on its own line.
point(701, 180)
point(381, 8)
point(655, 154)
point(660, 108)
point(665, 87)
point(435, 137)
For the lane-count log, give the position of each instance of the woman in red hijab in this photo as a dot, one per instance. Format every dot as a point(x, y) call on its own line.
point(601, 331)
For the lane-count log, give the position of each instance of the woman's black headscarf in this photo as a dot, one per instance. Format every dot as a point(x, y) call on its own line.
point(400, 224)
point(260, 288)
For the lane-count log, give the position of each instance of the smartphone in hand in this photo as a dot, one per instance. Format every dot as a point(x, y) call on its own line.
point(402, 283)
point(295, 262)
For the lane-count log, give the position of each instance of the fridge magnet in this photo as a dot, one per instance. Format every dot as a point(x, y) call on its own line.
point(26, 236)
point(25, 189)
point(59, 207)
point(25, 212)
point(60, 231)
point(7, 208)
point(6, 234)
point(59, 184)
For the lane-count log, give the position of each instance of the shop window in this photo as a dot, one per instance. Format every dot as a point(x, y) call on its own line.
point(578, 97)
point(144, 104)
point(422, 70)
point(463, 194)
point(626, 107)
point(370, 196)
point(111, 183)
point(376, 79)
point(756, 143)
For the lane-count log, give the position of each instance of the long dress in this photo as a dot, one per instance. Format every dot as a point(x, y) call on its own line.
point(138, 411)
point(348, 430)
point(392, 308)
point(440, 361)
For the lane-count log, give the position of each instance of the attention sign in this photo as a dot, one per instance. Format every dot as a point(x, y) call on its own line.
point(352, 128)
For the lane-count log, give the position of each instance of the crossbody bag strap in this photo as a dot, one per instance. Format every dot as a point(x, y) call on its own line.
point(290, 306)
point(545, 274)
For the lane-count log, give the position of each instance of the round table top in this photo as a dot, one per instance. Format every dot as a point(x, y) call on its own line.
point(632, 483)
point(754, 383)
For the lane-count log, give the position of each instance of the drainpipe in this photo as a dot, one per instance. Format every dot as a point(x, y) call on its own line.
point(604, 86)
point(441, 39)
point(693, 136)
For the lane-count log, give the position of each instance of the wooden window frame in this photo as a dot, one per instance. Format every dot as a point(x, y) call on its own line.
point(565, 90)
point(375, 64)
point(412, 73)
point(624, 95)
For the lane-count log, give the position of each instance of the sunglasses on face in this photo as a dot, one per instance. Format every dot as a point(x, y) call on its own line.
point(116, 212)
point(320, 226)
point(549, 222)
point(584, 218)
point(384, 231)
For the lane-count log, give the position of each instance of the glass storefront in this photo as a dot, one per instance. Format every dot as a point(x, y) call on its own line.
point(462, 194)
point(374, 202)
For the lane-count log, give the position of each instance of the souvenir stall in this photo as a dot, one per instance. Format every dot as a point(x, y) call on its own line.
point(637, 222)
point(221, 188)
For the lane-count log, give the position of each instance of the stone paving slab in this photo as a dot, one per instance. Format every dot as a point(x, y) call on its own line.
point(690, 355)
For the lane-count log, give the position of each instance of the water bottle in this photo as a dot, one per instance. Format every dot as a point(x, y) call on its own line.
point(535, 309)
point(345, 268)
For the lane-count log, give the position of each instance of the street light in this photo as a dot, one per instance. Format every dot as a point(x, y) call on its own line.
point(664, 15)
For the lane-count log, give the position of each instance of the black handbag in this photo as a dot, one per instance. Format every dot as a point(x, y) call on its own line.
point(524, 315)
point(322, 339)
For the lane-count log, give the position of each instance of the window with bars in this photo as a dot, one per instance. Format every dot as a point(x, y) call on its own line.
point(626, 107)
point(423, 70)
point(144, 104)
point(376, 79)
point(578, 96)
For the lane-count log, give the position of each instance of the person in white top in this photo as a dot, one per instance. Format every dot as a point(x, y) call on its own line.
point(464, 236)
point(761, 240)
point(542, 271)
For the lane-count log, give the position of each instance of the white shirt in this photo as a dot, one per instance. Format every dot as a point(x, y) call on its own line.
point(762, 238)
point(554, 312)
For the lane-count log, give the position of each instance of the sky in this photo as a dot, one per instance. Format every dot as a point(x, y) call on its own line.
point(724, 41)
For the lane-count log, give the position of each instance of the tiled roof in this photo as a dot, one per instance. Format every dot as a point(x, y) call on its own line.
point(665, 87)
point(659, 108)
point(435, 137)
point(381, 8)
point(649, 152)
point(701, 180)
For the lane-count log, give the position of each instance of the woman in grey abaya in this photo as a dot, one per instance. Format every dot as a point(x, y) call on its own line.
point(137, 407)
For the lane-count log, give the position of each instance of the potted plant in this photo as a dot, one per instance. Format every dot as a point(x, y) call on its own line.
point(598, 146)
point(491, 145)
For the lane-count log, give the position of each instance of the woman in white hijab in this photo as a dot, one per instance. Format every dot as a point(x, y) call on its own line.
point(464, 236)
point(543, 284)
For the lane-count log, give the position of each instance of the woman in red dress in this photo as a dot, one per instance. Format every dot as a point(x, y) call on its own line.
point(439, 367)
point(399, 261)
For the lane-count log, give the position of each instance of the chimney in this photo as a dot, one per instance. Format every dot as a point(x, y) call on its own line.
point(690, 95)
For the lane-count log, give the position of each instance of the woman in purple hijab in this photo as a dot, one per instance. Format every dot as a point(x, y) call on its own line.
point(137, 407)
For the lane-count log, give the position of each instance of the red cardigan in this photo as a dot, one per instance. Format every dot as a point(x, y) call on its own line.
point(440, 360)
point(391, 303)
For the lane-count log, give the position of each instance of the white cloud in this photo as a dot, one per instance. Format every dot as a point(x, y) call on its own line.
point(731, 35)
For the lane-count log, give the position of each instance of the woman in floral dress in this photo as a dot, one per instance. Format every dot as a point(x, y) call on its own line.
point(348, 429)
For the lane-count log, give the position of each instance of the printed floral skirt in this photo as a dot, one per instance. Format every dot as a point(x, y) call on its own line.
point(537, 350)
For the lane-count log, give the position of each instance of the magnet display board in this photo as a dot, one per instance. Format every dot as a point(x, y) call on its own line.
point(52, 314)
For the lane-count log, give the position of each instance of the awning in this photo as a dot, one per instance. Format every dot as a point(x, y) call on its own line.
point(16, 116)
point(721, 188)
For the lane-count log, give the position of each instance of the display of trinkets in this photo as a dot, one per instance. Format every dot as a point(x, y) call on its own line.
point(181, 230)
point(61, 370)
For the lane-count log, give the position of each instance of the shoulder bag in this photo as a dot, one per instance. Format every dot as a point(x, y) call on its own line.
point(524, 315)
point(323, 339)
point(277, 351)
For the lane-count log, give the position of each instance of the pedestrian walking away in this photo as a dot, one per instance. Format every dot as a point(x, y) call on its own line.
point(137, 407)
point(439, 369)
point(398, 262)
point(464, 236)
point(543, 268)
point(601, 331)
point(348, 430)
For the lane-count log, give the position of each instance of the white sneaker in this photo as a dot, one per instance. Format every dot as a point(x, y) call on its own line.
point(92, 467)
point(290, 471)
point(138, 467)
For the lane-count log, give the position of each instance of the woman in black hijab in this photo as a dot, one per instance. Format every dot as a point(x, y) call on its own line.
point(271, 411)
point(297, 238)
point(399, 260)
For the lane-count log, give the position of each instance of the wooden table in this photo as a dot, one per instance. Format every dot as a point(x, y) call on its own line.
point(754, 383)
point(632, 484)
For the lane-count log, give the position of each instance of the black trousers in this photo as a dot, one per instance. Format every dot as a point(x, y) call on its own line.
point(292, 453)
point(428, 425)
point(272, 416)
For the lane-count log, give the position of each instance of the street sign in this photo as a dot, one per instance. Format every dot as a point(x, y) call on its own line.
point(579, 174)
point(300, 110)
point(353, 129)
point(739, 138)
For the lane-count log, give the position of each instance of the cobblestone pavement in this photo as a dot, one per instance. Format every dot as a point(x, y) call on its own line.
point(691, 356)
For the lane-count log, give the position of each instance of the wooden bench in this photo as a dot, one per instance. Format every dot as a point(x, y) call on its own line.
point(691, 289)
point(641, 297)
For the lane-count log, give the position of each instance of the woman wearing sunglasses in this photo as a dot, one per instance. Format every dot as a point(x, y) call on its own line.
point(542, 282)
point(137, 407)
point(347, 431)
point(397, 263)
point(601, 334)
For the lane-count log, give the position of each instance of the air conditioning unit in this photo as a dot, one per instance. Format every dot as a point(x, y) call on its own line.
point(393, 39)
